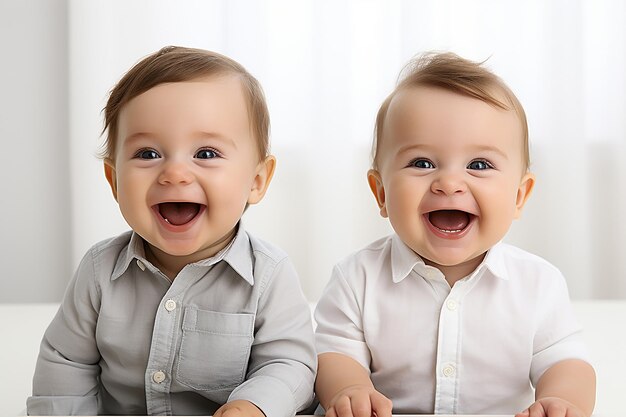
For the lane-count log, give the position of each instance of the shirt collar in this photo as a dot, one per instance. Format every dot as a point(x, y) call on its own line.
point(494, 262)
point(404, 260)
point(133, 250)
point(238, 254)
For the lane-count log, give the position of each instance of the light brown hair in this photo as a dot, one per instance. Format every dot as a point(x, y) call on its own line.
point(177, 64)
point(458, 75)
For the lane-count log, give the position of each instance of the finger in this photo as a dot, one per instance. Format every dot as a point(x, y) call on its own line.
point(574, 412)
point(331, 412)
point(381, 405)
point(231, 412)
point(556, 410)
point(343, 408)
point(536, 410)
point(524, 413)
point(361, 406)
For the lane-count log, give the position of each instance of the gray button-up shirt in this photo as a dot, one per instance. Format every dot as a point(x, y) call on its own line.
point(127, 340)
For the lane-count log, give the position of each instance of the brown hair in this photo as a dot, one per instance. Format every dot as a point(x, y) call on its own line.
point(456, 74)
point(177, 64)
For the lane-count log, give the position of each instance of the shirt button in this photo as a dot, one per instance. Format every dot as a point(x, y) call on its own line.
point(170, 305)
point(448, 371)
point(158, 377)
point(452, 305)
point(141, 265)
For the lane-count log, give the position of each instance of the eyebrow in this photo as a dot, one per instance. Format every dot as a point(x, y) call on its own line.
point(411, 147)
point(477, 148)
point(492, 149)
point(199, 135)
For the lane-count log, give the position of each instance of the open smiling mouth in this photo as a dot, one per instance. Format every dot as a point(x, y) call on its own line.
point(179, 214)
point(450, 222)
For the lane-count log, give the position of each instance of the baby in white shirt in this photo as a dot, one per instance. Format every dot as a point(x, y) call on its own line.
point(441, 317)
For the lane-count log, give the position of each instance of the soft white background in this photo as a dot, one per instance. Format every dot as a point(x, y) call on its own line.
point(325, 67)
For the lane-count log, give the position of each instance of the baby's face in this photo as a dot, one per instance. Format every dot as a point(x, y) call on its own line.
point(450, 175)
point(186, 166)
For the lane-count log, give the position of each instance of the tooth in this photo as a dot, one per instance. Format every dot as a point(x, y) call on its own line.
point(450, 231)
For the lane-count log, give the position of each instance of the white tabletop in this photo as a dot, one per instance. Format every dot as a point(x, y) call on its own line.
point(22, 326)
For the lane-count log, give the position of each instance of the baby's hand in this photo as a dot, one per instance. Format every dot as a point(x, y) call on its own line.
point(359, 401)
point(552, 407)
point(239, 408)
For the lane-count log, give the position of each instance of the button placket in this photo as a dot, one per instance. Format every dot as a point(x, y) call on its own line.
point(159, 370)
point(447, 351)
point(165, 337)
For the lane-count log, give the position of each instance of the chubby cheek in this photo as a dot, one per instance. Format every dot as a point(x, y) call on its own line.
point(499, 210)
point(131, 208)
point(228, 192)
point(132, 180)
point(403, 200)
point(131, 197)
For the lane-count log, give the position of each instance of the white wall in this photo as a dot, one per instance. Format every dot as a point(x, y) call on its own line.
point(35, 208)
point(325, 66)
point(319, 177)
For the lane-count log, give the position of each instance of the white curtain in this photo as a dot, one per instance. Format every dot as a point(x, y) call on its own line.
point(326, 66)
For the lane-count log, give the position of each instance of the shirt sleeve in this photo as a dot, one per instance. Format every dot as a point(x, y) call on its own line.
point(66, 374)
point(339, 319)
point(558, 335)
point(282, 365)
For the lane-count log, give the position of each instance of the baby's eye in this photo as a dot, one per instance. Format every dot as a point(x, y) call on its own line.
point(479, 164)
point(147, 154)
point(206, 153)
point(422, 163)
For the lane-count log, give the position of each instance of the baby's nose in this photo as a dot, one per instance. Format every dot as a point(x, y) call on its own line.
point(449, 183)
point(175, 173)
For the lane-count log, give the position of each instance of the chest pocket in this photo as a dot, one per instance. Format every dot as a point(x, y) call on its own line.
point(214, 350)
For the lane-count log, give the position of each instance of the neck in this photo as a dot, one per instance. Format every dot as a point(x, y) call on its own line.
point(171, 265)
point(168, 264)
point(454, 273)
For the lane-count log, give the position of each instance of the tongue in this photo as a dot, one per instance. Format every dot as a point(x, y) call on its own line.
point(449, 219)
point(178, 213)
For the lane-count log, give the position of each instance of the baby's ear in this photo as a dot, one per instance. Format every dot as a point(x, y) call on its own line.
point(376, 185)
point(523, 192)
point(109, 173)
point(262, 179)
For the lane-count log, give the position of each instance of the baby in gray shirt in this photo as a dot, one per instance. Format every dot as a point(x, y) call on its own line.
point(187, 313)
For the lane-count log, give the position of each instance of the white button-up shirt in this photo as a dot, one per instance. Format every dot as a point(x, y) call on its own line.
point(474, 348)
